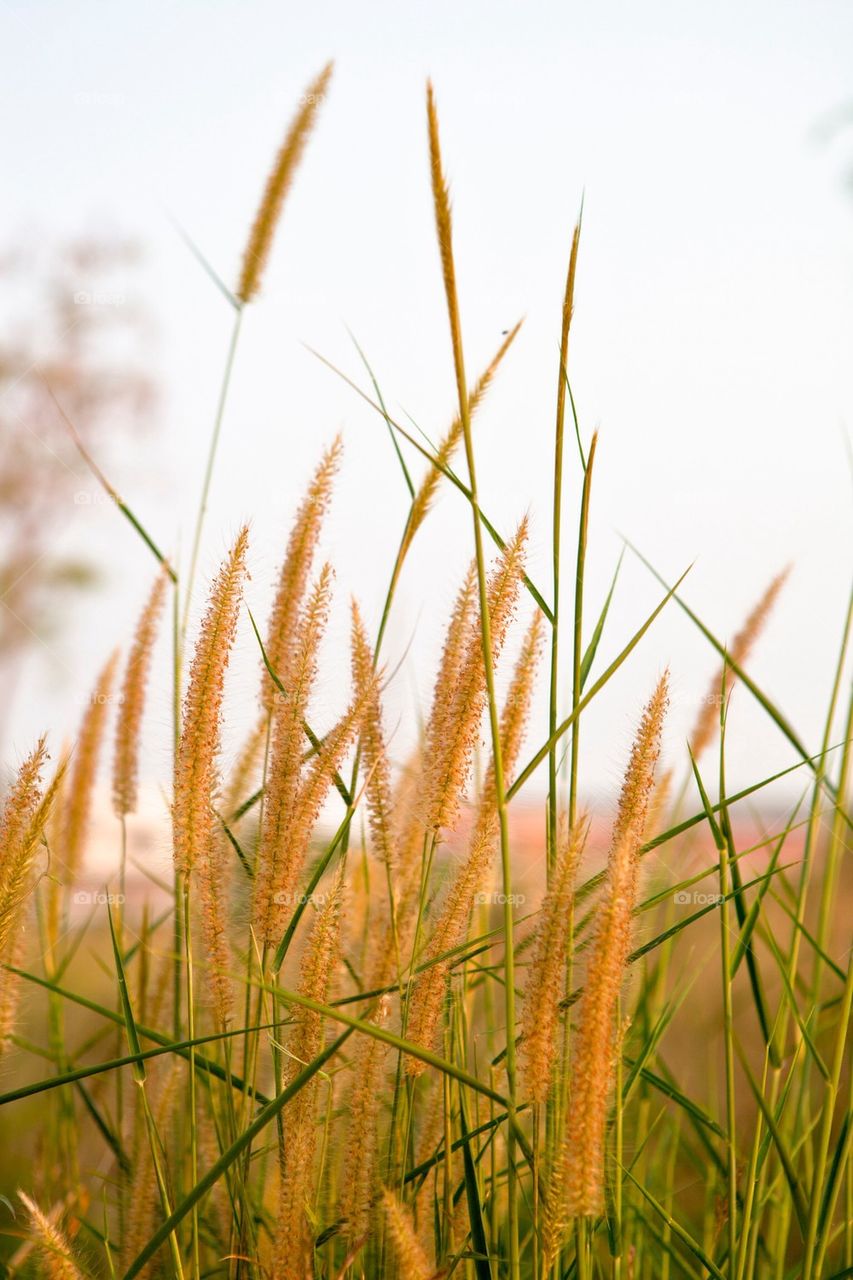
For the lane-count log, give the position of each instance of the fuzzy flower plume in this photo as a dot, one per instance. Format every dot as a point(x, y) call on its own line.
point(196, 758)
point(55, 1250)
point(297, 789)
point(376, 765)
point(546, 972)
point(458, 709)
point(429, 991)
point(284, 774)
point(25, 813)
point(412, 1261)
point(77, 808)
point(132, 702)
point(579, 1175)
point(738, 650)
point(278, 185)
point(423, 499)
point(295, 571)
point(294, 1241)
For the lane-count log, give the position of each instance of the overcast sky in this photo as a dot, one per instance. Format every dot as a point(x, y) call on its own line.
point(713, 319)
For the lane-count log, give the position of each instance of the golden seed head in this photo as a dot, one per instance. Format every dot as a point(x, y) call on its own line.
point(360, 1180)
point(25, 814)
point(376, 764)
point(276, 855)
point(540, 1022)
point(294, 1241)
point(444, 231)
point(423, 499)
point(739, 650)
point(196, 777)
point(428, 994)
point(78, 803)
point(55, 1249)
point(295, 571)
point(457, 712)
point(595, 1042)
point(278, 185)
point(132, 701)
point(412, 1261)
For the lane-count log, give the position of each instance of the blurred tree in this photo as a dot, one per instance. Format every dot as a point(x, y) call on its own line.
point(67, 326)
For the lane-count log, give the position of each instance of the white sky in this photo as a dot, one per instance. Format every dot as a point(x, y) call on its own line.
point(712, 324)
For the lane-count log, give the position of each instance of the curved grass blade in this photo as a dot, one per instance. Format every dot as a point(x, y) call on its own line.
point(394, 441)
point(482, 1265)
point(755, 910)
point(676, 1228)
point(775, 714)
point(207, 1065)
point(108, 488)
point(797, 1197)
point(445, 471)
point(128, 1060)
point(205, 265)
point(592, 647)
point(533, 764)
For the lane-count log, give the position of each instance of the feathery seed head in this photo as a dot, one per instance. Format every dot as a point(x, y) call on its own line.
point(377, 767)
point(412, 1261)
point(423, 499)
point(295, 570)
point(278, 185)
point(429, 991)
point(25, 814)
point(546, 973)
point(55, 1249)
point(196, 778)
point(444, 231)
point(457, 712)
point(361, 1158)
point(738, 650)
point(596, 1037)
point(278, 861)
point(78, 803)
point(132, 702)
point(294, 1241)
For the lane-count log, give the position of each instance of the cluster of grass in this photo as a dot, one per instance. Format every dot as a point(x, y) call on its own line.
point(355, 1056)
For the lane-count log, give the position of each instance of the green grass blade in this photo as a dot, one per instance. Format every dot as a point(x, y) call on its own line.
point(592, 647)
point(533, 764)
point(675, 1227)
point(482, 1265)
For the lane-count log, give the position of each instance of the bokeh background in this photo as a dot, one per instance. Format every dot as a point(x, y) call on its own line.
point(711, 342)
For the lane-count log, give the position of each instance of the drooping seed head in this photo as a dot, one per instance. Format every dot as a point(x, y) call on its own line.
point(596, 1038)
point(78, 802)
point(540, 1023)
point(196, 757)
point(132, 701)
point(295, 572)
point(278, 185)
point(739, 650)
point(412, 1261)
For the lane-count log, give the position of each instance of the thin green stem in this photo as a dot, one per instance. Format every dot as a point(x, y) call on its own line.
point(211, 461)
